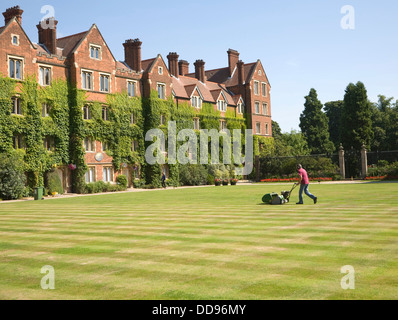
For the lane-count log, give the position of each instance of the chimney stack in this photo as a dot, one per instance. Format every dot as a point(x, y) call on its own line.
point(183, 67)
point(173, 63)
point(233, 58)
point(11, 13)
point(48, 35)
point(200, 70)
point(241, 72)
point(132, 54)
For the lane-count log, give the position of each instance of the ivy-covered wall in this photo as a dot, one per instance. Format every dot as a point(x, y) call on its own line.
point(67, 129)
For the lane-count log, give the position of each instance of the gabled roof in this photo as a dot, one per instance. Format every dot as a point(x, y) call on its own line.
point(2, 29)
point(147, 64)
point(70, 43)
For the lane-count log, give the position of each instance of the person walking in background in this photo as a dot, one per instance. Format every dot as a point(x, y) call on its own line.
point(304, 184)
point(164, 180)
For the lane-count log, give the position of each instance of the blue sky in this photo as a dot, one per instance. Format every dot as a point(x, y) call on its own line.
point(300, 43)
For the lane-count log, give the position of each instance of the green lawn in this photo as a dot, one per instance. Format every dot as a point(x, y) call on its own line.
point(203, 243)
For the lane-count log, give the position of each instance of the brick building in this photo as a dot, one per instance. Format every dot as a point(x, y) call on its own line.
point(86, 62)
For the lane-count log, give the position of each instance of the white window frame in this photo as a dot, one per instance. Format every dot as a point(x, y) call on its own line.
point(163, 85)
point(86, 116)
point(160, 70)
point(222, 105)
point(134, 85)
point(22, 67)
point(107, 174)
point(256, 110)
point(258, 127)
point(223, 125)
point(264, 93)
point(265, 105)
point(106, 118)
point(85, 71)
point(50, 76)
point(240, 107)
point(256, 85)
point(108, 76)
point(89, 147)
point(90, 175)
point(134, 146)
point(196, 101)
point(13, 36)
point(95, 47)
point(267, 129)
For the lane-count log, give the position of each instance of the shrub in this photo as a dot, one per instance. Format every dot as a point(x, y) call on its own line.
point(54, 183)
point(193, 175)
point(122, 182)
point(210, 179)
point(12, 178)
point(138, 183)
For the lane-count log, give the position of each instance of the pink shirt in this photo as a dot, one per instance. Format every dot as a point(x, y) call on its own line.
point(304, 176)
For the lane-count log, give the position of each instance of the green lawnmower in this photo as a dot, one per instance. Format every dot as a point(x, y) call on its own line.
point(276, 199)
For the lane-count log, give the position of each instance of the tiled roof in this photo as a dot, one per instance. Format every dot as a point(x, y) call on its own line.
point(1, 29)
point(68, 44)
point(146, 64)
point(184, 86)
point(222, 75)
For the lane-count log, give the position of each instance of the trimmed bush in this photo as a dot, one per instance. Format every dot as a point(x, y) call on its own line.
point(122, 181)
point(193, 175)
point(12, 177)
point(54, 183)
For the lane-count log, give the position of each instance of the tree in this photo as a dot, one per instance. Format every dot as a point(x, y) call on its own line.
point(12, 177)
point(356, 120)
point(314, 125)
point(334, 111)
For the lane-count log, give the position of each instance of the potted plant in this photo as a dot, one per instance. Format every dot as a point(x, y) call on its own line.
point(217, 182)
point(234, 182)
point(225, 182)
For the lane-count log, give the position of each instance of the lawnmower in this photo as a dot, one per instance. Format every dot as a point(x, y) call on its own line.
point(276, 199)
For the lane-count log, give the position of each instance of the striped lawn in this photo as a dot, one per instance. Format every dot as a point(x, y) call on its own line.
point(203, 243)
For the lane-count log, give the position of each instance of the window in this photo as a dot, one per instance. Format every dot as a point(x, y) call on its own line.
point(90, 175)
point(15, 68)
point(162, 120)
point(265, 109)
point(161, 90)
point(267, 129)
point(240, 108)
point(259, 72)
point(44, 76)
point(131, 88)
point(95, 52)
point(104, 83)
point(134, 146)
point(16, 106)
point(48, 143)
point(223, 125)
point(105, 146)
point(86, 113)
point(15, 40)
point(196, 125)
point(221, 105)
point(45, 110)
point(105, 114)
point(18, 142)
point(258, 128)
point(256, 88)
point(196, 102)
point(87, 80)
point(89, 145)
point(160, 70)
point(257, 107)
point(107, 174)
point(264, 89)
point(133, 118)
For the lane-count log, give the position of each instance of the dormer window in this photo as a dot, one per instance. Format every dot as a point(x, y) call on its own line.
point(221, 105)
point(196, 102)
point(240, 108)
point(95, 52)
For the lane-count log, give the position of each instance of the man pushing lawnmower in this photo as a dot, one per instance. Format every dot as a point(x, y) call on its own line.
point(274, 198)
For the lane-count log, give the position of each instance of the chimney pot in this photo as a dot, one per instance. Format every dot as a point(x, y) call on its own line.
point(11, 13)
point(200, 70)
point(173, 63)
point(183, 67)
point(132, 54)
point(233, 58)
